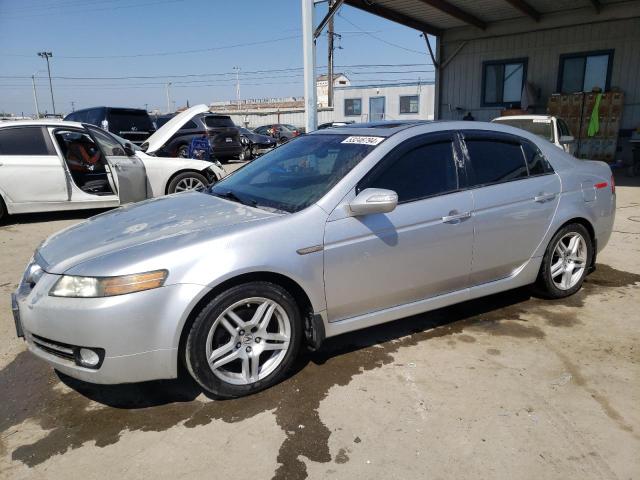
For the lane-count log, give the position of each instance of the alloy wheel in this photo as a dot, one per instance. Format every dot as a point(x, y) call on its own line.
point(189, 183)
point(569, 261)
point(248, 341)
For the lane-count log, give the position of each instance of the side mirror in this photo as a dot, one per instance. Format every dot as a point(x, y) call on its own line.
point(566, 139)
point(128, 150)
point(373, 200)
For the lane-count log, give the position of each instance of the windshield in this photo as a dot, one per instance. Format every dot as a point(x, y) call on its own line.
point(296, 174)
point(540, 127)
point(124, 141)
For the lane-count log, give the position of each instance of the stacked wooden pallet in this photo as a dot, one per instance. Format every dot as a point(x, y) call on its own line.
point(576, 110)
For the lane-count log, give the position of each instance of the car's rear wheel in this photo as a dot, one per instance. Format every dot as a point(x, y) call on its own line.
point(244, 340)
point(186, 181)
point(565, 262)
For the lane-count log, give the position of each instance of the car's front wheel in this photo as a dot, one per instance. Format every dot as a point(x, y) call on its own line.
point(183, 151)
point(186, 181)
point(3, 211)
point(565, 262)
point(244, 340)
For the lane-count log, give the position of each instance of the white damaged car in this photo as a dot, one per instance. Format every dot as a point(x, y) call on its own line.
point(49, 165)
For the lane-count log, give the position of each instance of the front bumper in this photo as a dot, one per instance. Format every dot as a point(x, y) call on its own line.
point(139, 332)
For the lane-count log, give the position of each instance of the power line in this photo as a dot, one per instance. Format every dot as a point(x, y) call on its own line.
point(230, 73)
point(381, 39)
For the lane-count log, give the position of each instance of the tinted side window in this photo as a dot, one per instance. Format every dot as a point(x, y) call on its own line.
point(190, 125)
point(495, 161)
point(421, 172)
point(23, 141)
point(536, 162)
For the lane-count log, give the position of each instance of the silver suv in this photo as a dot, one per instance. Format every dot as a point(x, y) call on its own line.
point(335, 231)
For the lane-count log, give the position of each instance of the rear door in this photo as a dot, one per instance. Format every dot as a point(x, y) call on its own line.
point(128, 172)
point(515, 193)
point(30, 169)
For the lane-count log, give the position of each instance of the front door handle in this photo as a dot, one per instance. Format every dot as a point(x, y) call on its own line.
point(544, 197)
point(455, 217)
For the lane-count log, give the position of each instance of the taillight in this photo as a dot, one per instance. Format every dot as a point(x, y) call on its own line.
point(613, 185)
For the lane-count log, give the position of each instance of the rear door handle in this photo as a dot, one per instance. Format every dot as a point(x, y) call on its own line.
point(544, 197)
point(455, 217)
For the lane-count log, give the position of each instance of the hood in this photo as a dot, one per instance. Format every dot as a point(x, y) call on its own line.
point(141, 223)
point(156, 141)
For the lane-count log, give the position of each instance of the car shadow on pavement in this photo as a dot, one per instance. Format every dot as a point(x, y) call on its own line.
point(184, 389)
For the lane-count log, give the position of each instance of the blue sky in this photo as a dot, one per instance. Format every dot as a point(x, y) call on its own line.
point(98, 40)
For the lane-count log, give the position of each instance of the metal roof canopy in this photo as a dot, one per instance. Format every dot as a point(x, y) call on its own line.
point(432, 17)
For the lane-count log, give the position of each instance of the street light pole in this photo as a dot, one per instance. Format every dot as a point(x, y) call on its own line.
point(47, 56)
point(237, 69)
point(168, 98)
point(35, 95)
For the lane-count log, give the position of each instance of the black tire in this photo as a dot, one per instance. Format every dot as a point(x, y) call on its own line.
point(195, 349)
point(183, 151)
point(3, 211)
point(545, 285)
point(178, 183)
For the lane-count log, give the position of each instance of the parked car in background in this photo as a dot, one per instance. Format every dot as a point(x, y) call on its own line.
point(322, 126)
point(255, 144)
point(132, 124)
point(334, 232)
point(548, 127)
point(48, 165)
point(278, 131)
point(222, 133)
point(296, 130)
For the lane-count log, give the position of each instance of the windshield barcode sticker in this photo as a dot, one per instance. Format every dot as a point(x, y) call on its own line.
point(361, 140)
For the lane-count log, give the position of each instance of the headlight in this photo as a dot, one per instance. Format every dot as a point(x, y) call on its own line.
point(92, 287)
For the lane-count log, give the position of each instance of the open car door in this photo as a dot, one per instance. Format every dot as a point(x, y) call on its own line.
point(128, 172)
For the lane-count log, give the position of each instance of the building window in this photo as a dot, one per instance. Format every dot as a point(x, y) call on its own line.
point(581, 72)
point(352, 107)
point(502, 82)
point(409, 103)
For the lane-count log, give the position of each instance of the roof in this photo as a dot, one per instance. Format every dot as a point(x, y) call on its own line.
point(52, 122)
point(524, 117)
point(384, 128)
point(436, 16)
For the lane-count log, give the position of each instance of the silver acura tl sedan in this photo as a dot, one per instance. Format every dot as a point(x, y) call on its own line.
point(335, 231)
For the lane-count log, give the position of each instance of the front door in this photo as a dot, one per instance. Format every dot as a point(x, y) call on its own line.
point(30, 170)
point(129, 172)
point(515, 196)
point(376, 108)
point(420, 250)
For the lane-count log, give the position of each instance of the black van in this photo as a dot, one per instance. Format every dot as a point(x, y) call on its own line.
point(133, 124)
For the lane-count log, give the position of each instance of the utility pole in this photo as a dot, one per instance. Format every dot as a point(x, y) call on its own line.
point(309, 62)
point(35, 95)
point(330, 49)
point(73, 106)
point(237, 69)
point(168, 98)
point(47, 56)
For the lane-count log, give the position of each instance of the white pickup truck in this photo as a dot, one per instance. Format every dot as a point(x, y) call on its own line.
point(548, 127)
